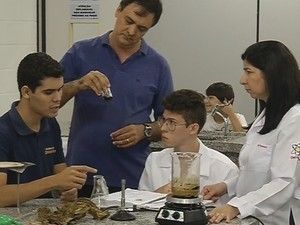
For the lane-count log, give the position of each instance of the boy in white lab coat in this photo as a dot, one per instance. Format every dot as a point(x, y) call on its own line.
point(182, 120)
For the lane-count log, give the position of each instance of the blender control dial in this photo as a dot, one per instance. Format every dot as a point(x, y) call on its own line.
point(165, 213)
point(176, 215)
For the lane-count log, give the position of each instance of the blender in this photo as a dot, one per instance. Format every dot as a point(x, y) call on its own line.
point(183, 205)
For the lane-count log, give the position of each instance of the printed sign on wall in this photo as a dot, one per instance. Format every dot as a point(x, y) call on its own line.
point(87, 10)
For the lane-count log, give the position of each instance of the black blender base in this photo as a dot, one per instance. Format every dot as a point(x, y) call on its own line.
point(170, 216)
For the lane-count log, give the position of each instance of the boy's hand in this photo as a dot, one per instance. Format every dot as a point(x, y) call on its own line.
point(72, 177)
point(166, 189)
point(69, 195)
point(214, 191)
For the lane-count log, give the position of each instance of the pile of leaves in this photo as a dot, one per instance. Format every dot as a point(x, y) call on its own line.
point(70, 212)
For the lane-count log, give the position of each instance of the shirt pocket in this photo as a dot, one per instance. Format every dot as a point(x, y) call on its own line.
point(260, 158)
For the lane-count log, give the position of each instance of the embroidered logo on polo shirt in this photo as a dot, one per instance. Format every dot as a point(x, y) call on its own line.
point(50, 150)
point(295, 153)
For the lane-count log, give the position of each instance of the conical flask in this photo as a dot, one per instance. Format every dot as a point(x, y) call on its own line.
point(100, 190)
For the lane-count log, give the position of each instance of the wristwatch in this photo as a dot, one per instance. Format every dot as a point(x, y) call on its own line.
point(147, 130)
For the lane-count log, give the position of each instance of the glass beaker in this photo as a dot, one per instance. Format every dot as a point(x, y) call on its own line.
point(100, 190)
point(185, 174)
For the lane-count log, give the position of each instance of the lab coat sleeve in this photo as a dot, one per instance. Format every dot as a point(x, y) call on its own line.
point(273, 195)
point(231, 181)
point(146, 180)
point(296, 202)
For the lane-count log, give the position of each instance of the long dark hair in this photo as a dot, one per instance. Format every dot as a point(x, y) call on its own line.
point(281, 72)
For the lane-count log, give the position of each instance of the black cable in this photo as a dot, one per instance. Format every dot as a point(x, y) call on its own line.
point(257, 40)
point(43, 25)
point(257, 20)
point(38, 25)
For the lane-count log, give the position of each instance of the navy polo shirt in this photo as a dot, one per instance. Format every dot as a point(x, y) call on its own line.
point(19, 143)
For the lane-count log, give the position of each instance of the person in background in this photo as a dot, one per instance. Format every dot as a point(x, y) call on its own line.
point(113, 136)
point(268, 184)
point(220, 97)
point(30, 133)
point(182, 120)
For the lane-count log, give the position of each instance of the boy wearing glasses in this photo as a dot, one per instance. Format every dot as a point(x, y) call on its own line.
point(182, 120)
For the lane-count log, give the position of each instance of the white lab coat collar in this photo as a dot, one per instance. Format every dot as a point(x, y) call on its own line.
point(166, 160)
point(260, 120)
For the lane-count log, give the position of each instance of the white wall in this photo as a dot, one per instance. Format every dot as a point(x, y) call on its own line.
point(17, 39)
point(280, 21)
point(61, 34)
point(201, 39)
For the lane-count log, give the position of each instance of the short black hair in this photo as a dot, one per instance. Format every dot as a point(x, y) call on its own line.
point(221, 90)
point(150, 6)
point(281, 73)
point(189, 104)
point(35, 67)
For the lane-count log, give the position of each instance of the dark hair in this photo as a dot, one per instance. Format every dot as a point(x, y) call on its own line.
point(150, 6)
point(221, 90)
point(188, 103)
point(35, 67)
point(281, 73)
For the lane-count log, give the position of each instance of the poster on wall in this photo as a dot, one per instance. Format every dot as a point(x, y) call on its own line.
point(84, 10)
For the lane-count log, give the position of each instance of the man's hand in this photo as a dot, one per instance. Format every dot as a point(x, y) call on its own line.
point(225, 212)
point(214, 191)
point(94, 80)
point(72, 177)
point(128, 136)
point(166, 189)
point(69, 195)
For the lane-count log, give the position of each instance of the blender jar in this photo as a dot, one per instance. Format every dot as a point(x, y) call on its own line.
point(185, 174)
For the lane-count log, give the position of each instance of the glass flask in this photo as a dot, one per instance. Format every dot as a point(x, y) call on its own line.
point(185, 179)
point(100, 190)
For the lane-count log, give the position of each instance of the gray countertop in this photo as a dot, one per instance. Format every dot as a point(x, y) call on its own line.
point(229, 145)
point(28, 215)
point(233, 142)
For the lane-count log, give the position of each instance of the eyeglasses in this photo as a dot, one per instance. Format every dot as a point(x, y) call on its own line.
point(170, 124)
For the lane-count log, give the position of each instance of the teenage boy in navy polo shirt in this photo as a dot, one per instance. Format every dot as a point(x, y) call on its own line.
point(30, 133)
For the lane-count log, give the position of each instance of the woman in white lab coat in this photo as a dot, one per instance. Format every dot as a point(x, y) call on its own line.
point(268, 183)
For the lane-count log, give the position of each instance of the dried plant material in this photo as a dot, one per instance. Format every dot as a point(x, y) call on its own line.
point(70, 212)
point(185, 188)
